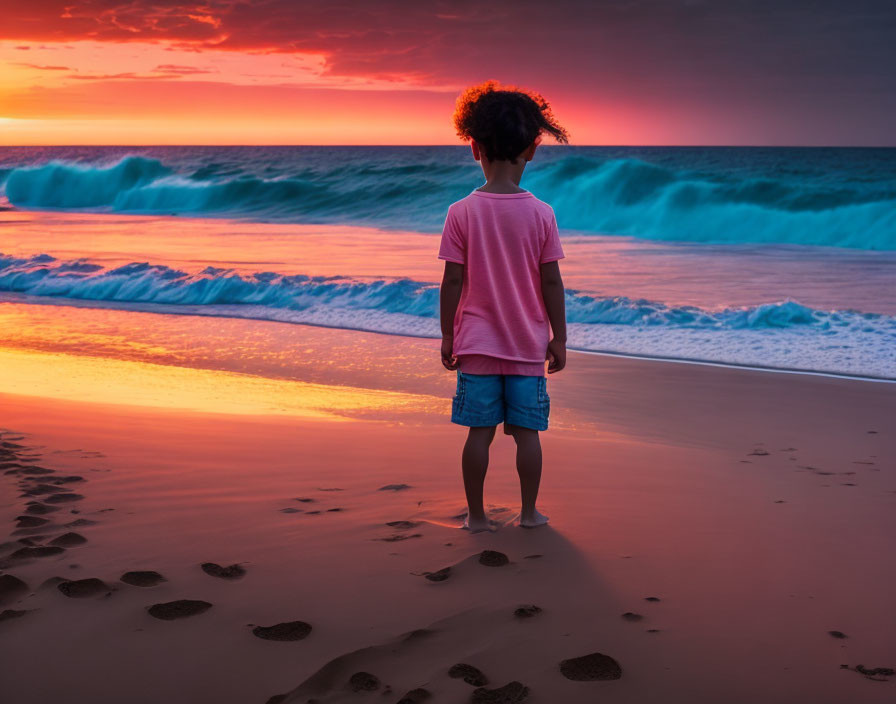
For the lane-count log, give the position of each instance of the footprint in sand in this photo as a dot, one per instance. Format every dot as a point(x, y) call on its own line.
point(9, 614)
point(398, 537)
point(64, 498)
point(493, 558)
point(290, 630)
point(230, 572)
point(651, 598)
point(182, 608)
point(403, 525)
point(439, 575)
point(510, 693)
point(469, 674)
point(11, 588)
point(631, 616)
point(69, 540)
point(395, 487)
point(28, 553)
point(591, 668)
point(142, 578)
point(837, 634)
point(30, 521)
point(39, 509)
point(416, 696)
point(527, 611)
point(83, 588)
point(363, 682)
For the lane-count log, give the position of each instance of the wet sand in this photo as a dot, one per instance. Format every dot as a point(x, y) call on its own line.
point(716, 534)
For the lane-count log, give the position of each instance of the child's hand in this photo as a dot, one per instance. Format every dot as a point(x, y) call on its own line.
point(556, 355)
point(449, 359)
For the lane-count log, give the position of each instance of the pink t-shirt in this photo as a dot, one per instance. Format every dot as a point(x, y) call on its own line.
point(501, 239)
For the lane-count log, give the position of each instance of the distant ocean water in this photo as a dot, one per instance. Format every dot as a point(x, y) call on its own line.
point(803, 202)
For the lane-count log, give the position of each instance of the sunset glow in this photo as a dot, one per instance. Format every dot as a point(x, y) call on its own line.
point(272, 72)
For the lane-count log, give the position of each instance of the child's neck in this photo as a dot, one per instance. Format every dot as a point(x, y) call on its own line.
point(502, 176)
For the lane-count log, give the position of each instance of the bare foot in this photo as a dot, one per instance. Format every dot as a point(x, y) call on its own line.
point(477, 525)
point(533, 520)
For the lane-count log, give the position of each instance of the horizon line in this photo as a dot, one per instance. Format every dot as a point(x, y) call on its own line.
point(466, 146)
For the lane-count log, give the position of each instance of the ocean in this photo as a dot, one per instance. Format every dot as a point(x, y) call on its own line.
point(781, 258)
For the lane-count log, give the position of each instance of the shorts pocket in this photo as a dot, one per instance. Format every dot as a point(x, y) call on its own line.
point(544, 401)
point(457, 404)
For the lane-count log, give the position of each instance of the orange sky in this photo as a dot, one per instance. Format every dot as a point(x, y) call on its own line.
point(280, 72)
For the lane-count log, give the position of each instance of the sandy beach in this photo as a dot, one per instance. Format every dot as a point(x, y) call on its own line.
point(717, 534)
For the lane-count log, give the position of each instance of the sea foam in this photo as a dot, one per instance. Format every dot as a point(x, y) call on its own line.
point(784, 335)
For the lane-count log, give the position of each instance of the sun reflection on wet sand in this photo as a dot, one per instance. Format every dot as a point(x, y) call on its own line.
point(133, 383)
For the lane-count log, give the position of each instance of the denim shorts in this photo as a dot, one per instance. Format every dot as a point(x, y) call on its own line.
point(484, 400)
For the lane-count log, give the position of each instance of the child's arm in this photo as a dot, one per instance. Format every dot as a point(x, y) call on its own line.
point(449, 298)
point(553, 294)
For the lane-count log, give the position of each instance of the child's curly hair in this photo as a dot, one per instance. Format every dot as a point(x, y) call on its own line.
point(504, 120)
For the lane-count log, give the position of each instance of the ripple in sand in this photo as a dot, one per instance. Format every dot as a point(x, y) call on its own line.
point(398, 537)
point(83, 588)
point(79, 522)
point(510, 693)
point(142, 578)
point(469, 674)
point(182, 608)
point(290, 630)
point(229, 572)
point(11, 588)
point(363, 682)
point(69, 540)
point(493, 558)
point(290, 509)
point(590, 668)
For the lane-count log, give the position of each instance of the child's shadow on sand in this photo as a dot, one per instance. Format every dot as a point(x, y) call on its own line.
point(481, 622)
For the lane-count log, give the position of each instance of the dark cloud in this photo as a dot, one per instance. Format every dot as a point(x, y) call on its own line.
point(43, 68)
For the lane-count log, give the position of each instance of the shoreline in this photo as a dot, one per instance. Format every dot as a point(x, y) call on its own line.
point(197, 311)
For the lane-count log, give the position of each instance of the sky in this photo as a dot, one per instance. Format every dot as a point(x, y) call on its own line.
point(638, 72)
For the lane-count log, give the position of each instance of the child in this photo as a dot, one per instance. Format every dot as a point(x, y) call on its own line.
point(502, 296)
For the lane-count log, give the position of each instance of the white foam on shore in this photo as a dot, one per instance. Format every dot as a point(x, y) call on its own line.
point(867, 354)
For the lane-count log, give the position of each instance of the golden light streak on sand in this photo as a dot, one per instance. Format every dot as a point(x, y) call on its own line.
point(133, 383)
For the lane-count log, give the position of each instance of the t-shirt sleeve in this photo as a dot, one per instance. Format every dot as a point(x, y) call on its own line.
point(453, 247)
point(551, 251)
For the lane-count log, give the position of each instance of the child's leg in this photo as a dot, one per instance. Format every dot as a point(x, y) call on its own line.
point(475, 465)
point(528, 467)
